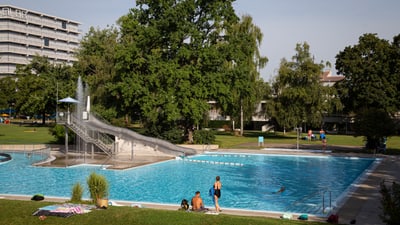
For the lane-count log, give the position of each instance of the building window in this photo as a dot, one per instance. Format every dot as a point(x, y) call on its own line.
point(46, 42)
point(64, 25)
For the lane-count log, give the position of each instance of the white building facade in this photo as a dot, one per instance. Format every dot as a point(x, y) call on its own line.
point(25, 34)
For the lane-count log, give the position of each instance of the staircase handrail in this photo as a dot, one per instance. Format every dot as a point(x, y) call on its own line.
point(101, 140)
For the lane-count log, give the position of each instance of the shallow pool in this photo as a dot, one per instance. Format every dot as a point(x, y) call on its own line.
point(248, 181)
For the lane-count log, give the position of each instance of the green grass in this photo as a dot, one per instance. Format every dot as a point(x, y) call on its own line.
point(20, 213)
point(250, 140)
point(227, 140)
point(25, 134)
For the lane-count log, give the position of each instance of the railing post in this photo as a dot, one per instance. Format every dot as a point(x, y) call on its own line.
point(323, 202)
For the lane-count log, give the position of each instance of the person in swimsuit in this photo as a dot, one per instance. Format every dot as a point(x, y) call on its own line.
point(197, 203)
point(217, 193)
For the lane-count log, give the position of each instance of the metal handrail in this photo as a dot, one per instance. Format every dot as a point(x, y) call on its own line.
point(323, 192)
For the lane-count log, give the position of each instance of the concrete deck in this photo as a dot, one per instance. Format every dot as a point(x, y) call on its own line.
point(362, 205)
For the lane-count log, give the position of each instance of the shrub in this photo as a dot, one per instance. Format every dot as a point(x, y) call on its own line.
point(77, 192)
point(390, 203)
point(98, 186)
point(203, 137)
point(58, 131)
point(174, 135)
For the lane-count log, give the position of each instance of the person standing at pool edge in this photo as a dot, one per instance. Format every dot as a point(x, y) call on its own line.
point(217, 193)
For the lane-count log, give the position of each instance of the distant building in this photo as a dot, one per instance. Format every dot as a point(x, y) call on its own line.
point(25, 33)
point(327, 79)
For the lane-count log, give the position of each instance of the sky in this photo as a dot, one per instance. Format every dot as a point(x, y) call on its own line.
point(328, 26)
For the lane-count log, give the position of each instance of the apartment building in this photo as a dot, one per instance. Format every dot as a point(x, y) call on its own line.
point(25, 33)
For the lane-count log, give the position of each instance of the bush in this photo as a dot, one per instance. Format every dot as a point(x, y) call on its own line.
point(77, 192)
point(390, 203)
point(174, 135)
point(98, 186)
point(58, 131)
point(203, 137)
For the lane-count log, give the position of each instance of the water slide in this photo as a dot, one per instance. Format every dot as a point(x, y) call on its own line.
point(129, 135)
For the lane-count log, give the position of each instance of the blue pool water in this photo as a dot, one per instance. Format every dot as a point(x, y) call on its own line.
point(248, 181)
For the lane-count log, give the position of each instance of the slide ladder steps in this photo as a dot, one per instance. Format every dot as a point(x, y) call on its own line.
point(87, 138)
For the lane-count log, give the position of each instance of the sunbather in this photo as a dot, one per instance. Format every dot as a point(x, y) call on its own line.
point(197, 203)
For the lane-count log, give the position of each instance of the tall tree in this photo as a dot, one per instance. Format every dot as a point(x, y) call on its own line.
point(371, 87)
point(243, 64)
point(300, 97)
point(370, 75)
point(97, 65)
point(170, 60)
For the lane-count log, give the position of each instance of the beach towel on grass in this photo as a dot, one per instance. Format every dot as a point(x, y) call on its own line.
point(63, 210)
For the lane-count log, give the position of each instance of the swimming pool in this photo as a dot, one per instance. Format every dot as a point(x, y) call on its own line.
point(249, 181)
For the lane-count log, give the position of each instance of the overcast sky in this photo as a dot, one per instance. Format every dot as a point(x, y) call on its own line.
point(328, 26)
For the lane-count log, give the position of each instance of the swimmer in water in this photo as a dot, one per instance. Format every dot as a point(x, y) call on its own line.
point(281, 190)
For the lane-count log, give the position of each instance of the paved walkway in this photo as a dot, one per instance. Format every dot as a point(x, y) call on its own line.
point(364, 204)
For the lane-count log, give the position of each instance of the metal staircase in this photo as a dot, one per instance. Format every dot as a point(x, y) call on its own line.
point(102, 141)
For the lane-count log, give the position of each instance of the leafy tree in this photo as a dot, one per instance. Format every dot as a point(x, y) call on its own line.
point(371, 86)
point(300, 98)
point(97, 64)
point(374, 124)
point(371, 75)
point(7, 92)
point(173, 58)
point(390, 203)
point(38, 84)
point(243, 64)
point(395, 66)
point(168, 59)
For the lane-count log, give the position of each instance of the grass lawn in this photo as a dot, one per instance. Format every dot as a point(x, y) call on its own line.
point(227, 140)
point(25, 134)
point(250, 140)
point(20, 213)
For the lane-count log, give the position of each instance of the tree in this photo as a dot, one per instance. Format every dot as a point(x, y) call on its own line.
point(300, 98)
point(243, 64)
point(371, 75)
point(173, 58)
point(7, 92)
point(375, 125)
point(97, 64)
point(371, 86)
point(38, 84)
point(390, 202)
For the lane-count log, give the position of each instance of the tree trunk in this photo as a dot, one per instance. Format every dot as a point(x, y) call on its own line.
point(44, 118)
point(190, 135)
point(241, 119)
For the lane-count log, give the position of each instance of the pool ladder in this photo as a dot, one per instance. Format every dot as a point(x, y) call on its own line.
point(324, 192)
